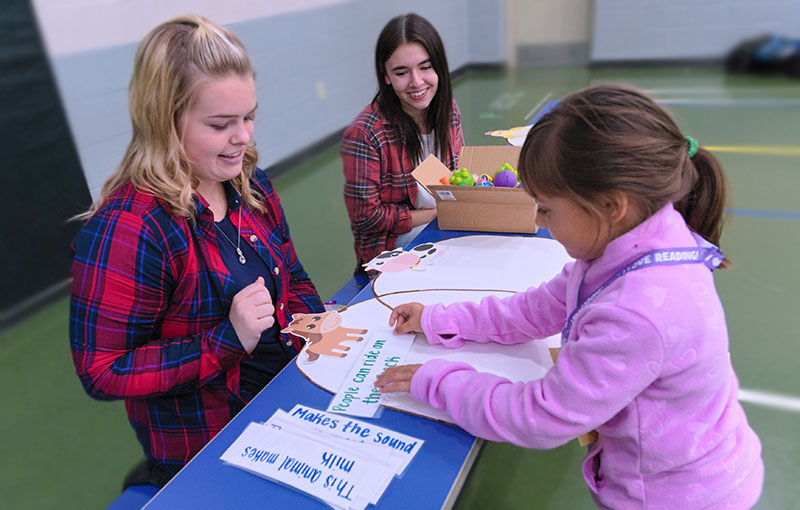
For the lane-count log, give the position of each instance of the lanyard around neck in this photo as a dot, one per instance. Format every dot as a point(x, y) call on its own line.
point(705, 253)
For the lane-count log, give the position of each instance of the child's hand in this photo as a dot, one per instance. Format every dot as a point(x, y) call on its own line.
point(407, 318)
point(396, 378)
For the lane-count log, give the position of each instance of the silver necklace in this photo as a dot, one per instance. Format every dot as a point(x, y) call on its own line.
point(242, 260)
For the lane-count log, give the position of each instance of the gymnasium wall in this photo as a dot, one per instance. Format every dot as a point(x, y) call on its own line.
point(313, 59)
point(64, 72)
point(41, 182)
point(652, 30)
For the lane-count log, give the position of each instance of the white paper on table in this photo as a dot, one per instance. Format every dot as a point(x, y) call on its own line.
point(296, 460)
point(400, 446)
point(379, 474)
point(377, 456)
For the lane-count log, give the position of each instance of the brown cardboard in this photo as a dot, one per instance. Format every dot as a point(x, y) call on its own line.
point(430, 171)
point(487, 159)
point(478, 208)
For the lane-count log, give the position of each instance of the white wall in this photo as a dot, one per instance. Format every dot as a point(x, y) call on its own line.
point(314, 61)
point(73, 26)
point(544, 33)
point(484, 38)
point(685, 29)
point(549, 22)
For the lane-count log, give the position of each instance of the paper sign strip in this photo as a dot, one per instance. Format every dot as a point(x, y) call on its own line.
point(381, 476)
point(323, 471)
point(401, 446)
point(357, 395)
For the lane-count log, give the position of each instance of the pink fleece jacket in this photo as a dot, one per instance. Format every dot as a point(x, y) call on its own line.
point(646, 365)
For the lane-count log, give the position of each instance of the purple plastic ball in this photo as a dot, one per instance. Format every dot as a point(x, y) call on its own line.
point(505, 179)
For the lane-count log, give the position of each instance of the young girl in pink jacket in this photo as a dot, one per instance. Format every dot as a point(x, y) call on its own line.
point(644, 359)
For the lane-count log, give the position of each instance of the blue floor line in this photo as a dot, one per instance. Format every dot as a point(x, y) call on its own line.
point(783, 215)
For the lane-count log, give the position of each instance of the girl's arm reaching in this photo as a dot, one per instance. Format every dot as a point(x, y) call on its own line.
point(535, 313)
point(619, 355)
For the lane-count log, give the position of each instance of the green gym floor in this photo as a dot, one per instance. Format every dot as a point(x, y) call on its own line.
point(61, 449)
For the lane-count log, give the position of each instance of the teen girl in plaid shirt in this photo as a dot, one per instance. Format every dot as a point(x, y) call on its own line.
point(412, 116)
point(185, 273)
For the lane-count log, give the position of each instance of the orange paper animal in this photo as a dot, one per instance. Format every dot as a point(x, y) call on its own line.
point(323, 334)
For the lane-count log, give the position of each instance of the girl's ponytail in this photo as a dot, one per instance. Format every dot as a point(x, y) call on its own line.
point(609, 138)
point(703, 206)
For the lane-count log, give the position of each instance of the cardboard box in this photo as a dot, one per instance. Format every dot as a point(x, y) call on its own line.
point(479, 208)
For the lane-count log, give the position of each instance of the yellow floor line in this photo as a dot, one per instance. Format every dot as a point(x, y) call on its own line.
point(772, 150)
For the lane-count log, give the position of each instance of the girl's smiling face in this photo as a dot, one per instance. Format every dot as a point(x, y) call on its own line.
point(410, 73)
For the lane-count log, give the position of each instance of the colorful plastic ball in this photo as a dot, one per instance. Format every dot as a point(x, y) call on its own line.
point(505, 179)
point(507, 166)
point(462, 178)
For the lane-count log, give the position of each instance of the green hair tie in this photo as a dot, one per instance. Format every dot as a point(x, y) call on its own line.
point(692, 146)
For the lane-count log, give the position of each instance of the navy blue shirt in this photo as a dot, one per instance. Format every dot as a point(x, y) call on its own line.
point(270, 355)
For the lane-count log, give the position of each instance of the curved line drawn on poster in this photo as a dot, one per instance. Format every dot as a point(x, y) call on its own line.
point(508, 263)
point(504, 265)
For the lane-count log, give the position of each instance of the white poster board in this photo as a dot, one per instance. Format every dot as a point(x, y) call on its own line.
point(468, 269)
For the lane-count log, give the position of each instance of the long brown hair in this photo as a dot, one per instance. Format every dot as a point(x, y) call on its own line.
point(172, 62)
point(615, 138)
point(412, 28)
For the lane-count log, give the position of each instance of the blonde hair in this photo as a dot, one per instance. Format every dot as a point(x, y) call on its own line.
point(171, 64)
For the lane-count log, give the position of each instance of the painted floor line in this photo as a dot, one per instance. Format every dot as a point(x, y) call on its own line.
point(769, 150)
point(782, 215)
point(768, 399)
point(720, 91)
point(538, 105)
point(744, 103)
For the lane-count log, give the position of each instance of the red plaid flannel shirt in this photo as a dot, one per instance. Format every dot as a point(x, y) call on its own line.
point(378, 187)
point(149, 318)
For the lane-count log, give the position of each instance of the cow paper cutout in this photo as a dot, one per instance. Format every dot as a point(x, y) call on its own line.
point(394, 261)
point(323, 334)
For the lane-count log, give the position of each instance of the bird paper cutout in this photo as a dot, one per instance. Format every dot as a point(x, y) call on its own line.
point(515, 136)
